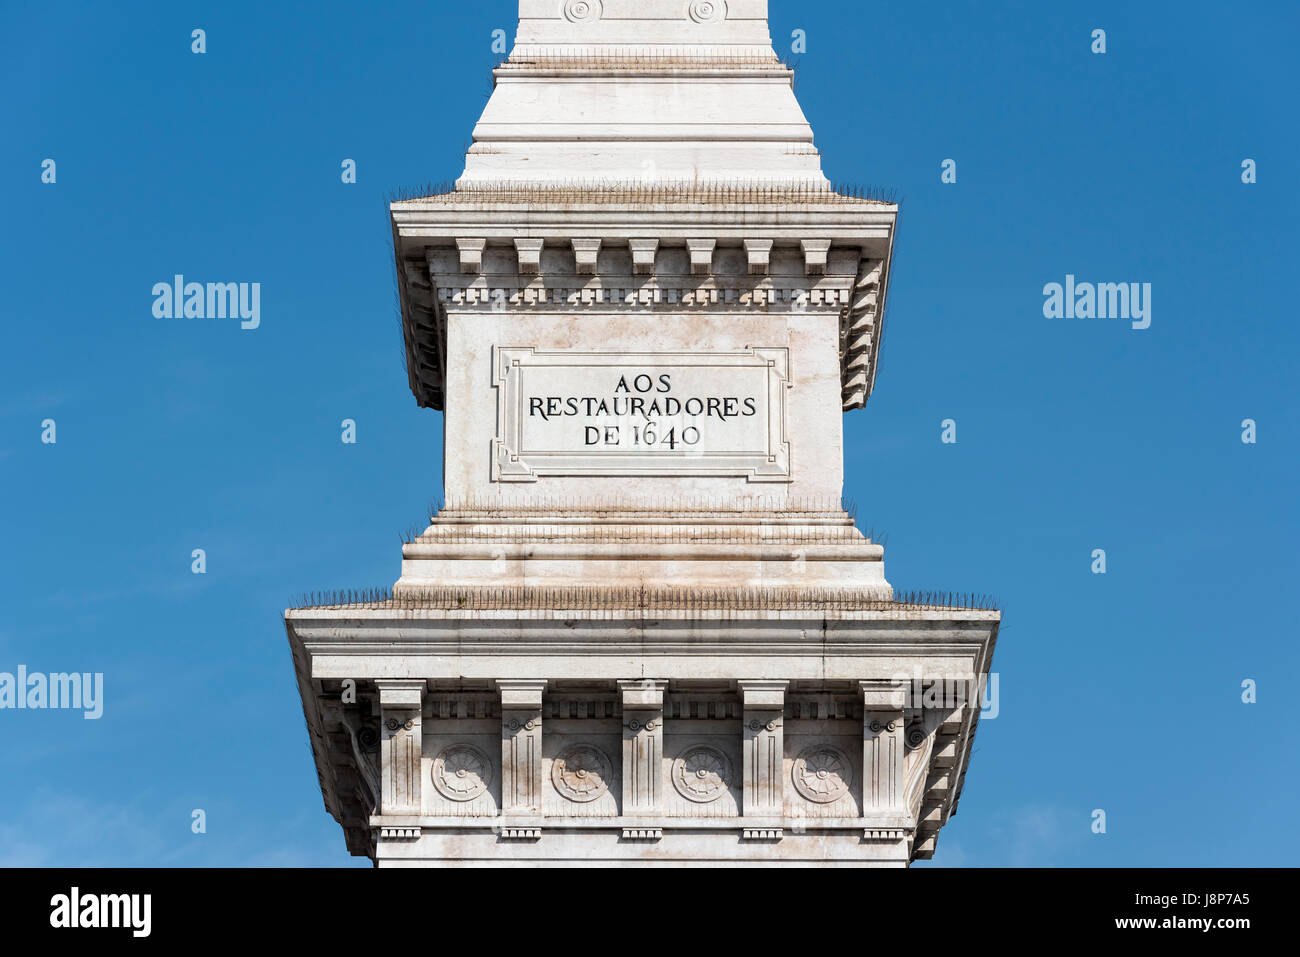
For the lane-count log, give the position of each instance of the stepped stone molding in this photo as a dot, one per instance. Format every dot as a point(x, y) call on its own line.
point(595, 69)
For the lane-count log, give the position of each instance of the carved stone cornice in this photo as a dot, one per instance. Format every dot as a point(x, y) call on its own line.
point(549, 251)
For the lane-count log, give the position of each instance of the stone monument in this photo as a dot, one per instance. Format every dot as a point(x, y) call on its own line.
point(642, 629)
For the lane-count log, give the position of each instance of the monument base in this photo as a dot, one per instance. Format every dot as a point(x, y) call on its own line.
point(768, 731)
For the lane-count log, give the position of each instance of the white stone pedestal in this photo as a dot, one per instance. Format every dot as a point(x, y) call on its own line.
point(643, 630)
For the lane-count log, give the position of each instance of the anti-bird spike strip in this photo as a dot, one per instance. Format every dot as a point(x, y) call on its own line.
point(643, 312)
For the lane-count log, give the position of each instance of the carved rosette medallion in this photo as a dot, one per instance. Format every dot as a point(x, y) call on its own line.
point(581, 773)
point(580, 11)
point(821, 773)
point(701, 774)
point(707, 11)
point(461, 772)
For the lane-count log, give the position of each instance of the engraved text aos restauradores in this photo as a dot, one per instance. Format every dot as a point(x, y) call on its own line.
point(645, 397)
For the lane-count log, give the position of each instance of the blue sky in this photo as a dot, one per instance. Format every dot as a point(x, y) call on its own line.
point(1119, 691)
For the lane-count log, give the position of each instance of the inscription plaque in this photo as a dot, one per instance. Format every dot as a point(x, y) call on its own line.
point(631, 414)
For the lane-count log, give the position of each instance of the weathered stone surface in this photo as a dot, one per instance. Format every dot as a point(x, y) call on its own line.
point(643, 629)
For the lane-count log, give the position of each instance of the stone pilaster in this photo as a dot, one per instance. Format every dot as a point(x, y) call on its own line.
point(521, 745)
point(764, 747)
point(400, 704)
point(643, 746)
point(883, 746)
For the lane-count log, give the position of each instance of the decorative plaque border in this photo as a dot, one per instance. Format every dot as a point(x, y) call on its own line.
point(510, 464)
